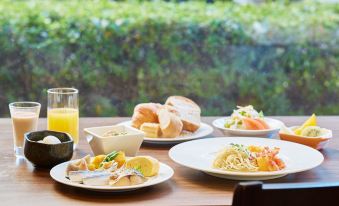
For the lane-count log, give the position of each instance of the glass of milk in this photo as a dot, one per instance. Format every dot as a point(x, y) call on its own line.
point(25, 117)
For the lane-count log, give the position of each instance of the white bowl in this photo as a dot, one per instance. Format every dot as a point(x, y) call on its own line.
point(274, 124)
point(129, 143)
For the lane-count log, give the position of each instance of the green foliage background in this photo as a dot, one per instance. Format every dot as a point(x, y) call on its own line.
point(282, 58)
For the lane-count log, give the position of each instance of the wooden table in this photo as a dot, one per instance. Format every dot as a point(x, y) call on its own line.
point(22, 184)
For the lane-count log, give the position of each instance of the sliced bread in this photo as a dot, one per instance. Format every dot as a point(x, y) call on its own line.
point(188, 111)
point(170, 124)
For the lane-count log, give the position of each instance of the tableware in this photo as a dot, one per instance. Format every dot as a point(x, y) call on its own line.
point(199, 155)
point(25, 117)
point(273, 123)
point(63, 111)
point(314, 142)
point(129, 139)
point(58, 174)
point(203, 131)
point(47, 155)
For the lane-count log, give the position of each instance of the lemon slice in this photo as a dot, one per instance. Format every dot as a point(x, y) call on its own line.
point(312, 121)
point(147, 165)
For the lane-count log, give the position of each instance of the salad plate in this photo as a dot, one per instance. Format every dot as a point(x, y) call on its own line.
point(274, 124)
point(201, 154)
point(246, 121)
point(58, 174)
point(203, 131)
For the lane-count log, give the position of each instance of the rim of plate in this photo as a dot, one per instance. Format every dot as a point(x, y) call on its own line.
point(217, 125)
point(205, 131)
point(253, 174)
point(54, 173)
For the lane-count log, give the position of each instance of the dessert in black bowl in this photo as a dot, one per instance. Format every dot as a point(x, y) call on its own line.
point(48, 148)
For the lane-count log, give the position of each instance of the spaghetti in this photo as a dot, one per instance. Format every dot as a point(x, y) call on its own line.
point(242, 158)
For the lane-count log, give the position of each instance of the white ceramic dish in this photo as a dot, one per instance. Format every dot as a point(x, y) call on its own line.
point(199, 155)
point(130, 143)
point(274, 124)
point(203, 131)
point(58, 174)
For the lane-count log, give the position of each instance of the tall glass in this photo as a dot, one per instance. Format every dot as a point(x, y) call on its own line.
point(63, 111)
point(25, 117)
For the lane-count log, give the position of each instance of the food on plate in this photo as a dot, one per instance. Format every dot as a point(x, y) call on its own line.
point(118, 157)
point(97, 160)
point(188, 110)
point(170, 124)
point(151, 129)
point(127, 177)
point(79, 165)
point(86, 175)
point(179, 115)
point(50, 139)
point(308, 129)
point(247, 118)
point(312, 121)
point(241, 158)
point(149, 166)
point(113, 169)
point(145, 112)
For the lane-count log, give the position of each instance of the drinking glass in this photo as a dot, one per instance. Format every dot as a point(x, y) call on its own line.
point(25, 117)
point(63, 112)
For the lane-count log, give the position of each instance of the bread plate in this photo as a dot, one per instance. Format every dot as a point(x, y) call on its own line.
point(200, 154)
point(203, 131)
point(274, 124)
point(58, 174)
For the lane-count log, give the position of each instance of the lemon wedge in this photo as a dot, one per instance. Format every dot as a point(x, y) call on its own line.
point(147, 165)
point(312, 121)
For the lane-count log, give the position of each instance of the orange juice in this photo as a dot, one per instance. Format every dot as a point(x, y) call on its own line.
point(64, 120)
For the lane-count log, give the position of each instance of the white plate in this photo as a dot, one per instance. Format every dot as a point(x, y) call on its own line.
point(203, 131)
point(58, 174)
point(274, 124)
point(199, 155)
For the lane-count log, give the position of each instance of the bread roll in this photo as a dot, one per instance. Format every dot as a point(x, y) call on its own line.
point(182, 102)
point(171, 109)
point(188, 110)
point(145, 112)
point(170, 124)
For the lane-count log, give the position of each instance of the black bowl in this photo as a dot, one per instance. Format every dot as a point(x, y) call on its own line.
point(47, 155)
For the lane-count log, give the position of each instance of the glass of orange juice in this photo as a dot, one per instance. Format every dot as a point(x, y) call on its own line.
point(63, 111)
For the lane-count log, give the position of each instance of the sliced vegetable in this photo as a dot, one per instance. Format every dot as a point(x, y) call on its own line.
point(111, 156)
point(262, 121)
point(252, 124)
point(120, 158)
point(97, 160)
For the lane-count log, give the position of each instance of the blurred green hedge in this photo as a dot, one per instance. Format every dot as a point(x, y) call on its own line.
point(282, 58)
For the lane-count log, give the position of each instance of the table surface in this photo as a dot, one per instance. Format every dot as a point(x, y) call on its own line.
point(21, 183)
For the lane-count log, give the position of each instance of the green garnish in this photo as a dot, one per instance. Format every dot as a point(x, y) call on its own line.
point(138, 168)
point(241, 148)
point(111, 156)
point(242, 113)
point(261, 114)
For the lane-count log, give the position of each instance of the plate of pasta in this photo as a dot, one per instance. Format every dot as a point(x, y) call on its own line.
point(246, 158)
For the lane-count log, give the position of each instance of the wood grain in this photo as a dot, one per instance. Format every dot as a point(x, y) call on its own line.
point(21, 183)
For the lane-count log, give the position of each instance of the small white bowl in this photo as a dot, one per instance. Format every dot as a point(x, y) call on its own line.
point(274, 124)
point(129, 143)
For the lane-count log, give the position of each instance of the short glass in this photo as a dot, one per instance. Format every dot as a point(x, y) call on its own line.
point(63, 112)
point(25, 117)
